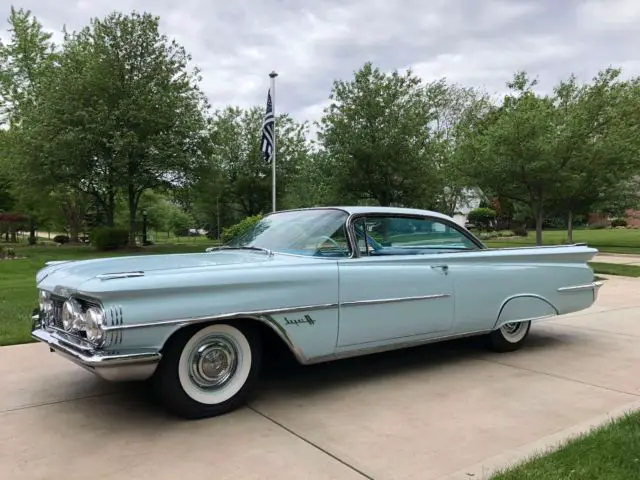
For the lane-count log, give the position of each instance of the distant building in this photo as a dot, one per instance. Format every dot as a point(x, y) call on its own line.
point(599, 219)
point(470, 202)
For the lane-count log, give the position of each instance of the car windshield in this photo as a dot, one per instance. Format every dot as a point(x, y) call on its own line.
point(320, 232)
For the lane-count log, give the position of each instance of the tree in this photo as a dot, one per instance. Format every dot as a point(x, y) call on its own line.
point(377, 137)
point(450, 104)
point(122, 112)
point(593, 145)
point(23, 61)
point(237, 173)
point(509, 150)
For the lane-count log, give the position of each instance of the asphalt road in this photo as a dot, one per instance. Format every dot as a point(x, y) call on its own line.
point(444, 411)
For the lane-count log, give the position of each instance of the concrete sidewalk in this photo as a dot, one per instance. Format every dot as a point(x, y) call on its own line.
point(444, 411)
point(617, 258)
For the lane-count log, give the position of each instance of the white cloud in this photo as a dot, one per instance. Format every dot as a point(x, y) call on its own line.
point(476, 43)
point(613, 15)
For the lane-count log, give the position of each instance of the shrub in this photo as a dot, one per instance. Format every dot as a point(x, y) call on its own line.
point(520, 231)
point(109, 238)
point(239, 228)
point(61, 239)
point(618, 222)
point(482, 217)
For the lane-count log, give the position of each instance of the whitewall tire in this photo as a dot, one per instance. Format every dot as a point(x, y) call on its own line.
point(210, 370)
point(509, 337)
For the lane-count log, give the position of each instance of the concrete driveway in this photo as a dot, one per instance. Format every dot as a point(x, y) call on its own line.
point(444, 411)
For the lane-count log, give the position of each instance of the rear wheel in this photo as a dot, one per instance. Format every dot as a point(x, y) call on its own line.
point(509, 337)
point(209, 371)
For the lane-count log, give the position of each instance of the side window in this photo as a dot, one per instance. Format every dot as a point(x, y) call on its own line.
point(405, 235)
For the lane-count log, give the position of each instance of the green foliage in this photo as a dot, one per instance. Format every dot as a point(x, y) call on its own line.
point(240, 228)
point(61, 239)
point(618, 222)
point(482, 217)
point(132, 120)
point(109, 238)
point(180, 223)
point(377, 135)
point(563, 151)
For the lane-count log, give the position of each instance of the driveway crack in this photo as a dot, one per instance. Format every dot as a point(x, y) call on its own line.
point(562, 377)
point(309, 442)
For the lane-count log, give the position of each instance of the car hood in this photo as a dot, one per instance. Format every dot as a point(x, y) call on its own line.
point(63, 277)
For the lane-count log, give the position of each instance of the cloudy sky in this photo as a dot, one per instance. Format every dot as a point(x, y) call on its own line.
point(471, 42)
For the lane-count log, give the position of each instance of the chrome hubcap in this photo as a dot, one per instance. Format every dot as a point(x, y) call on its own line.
point(511, 328)
point(213, 362)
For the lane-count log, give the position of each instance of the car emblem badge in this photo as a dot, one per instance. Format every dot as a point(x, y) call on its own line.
point(299, 321)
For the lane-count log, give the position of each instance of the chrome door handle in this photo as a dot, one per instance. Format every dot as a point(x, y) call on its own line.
point(444, 268)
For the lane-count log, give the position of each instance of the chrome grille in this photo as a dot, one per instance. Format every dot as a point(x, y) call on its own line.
point(55, 318)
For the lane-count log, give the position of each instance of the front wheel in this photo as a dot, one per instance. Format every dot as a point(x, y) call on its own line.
point(509, 337)
point(209, 371)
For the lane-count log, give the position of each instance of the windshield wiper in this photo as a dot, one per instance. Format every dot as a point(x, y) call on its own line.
point(227, 247)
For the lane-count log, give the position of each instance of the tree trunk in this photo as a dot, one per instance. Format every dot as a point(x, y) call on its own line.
point(570, 227)
point(12, 232)
point(74, 232)
point(539, 219)
point(110, 209)
point(32, 231)
point(132, 215)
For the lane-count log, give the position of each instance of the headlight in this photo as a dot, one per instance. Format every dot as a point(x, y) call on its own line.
point(72, 318)
point(44, 302)
point(93, 322)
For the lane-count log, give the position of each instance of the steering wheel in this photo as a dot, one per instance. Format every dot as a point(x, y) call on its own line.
point(322, 239)
point(326, 238)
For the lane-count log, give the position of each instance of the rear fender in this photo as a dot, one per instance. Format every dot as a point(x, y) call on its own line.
point(524, 307)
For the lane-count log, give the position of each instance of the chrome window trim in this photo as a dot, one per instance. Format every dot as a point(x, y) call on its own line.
point(346, 222)
point(355, 216)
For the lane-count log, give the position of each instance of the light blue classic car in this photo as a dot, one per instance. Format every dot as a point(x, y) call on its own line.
point(326, 283)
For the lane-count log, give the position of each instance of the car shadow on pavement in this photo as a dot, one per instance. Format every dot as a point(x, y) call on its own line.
point(283, 376)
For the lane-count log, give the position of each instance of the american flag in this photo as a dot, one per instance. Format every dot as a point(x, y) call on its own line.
point(268, 126)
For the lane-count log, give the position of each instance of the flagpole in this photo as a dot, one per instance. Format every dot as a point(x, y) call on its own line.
point(273, 76)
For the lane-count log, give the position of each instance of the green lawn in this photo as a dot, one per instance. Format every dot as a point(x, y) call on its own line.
point(615, 269)
point(610, 452)
point(606, 240)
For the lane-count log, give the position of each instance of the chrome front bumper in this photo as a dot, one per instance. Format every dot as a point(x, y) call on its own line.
point(113, 366)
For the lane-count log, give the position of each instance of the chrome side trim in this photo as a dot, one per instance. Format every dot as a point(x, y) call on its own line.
point(223, 316)
point(111, 276)
point(113, 366)
point(380, 301)
point(580, 288)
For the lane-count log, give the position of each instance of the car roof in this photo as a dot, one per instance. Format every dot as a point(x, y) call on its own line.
point(356, 210)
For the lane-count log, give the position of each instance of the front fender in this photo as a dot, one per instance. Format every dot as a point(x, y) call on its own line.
point(524, 307)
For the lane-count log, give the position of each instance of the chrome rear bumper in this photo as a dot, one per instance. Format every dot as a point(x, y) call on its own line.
point(113, 366)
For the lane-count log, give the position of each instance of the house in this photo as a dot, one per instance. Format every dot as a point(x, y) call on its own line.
point(632, 218)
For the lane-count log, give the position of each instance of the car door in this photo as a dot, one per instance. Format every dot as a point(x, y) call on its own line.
point(402, 291)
